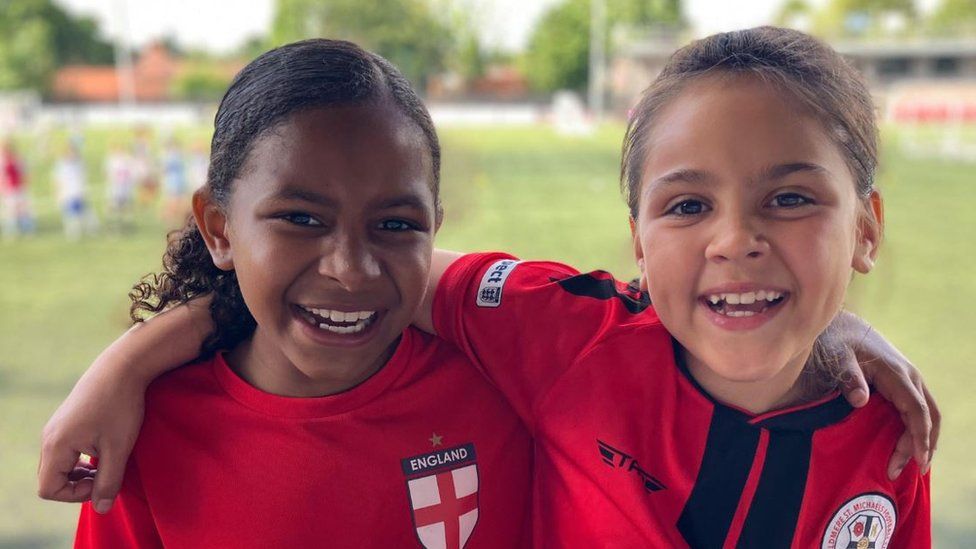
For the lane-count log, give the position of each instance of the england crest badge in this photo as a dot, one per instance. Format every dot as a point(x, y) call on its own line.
point(443, 490)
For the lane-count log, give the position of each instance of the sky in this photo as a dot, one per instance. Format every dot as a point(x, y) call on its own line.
point(209, 24)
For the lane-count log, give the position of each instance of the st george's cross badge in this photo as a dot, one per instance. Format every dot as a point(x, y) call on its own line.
point(443, 490)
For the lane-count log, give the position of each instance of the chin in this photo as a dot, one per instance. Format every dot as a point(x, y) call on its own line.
point(745, 368)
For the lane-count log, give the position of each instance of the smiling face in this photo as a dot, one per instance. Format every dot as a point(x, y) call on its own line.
point(747, 232)
point(330, 230)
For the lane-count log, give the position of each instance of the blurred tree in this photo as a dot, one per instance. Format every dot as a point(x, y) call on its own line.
point(251, 47)
point(795, 14)
point(867, 19)
point(953, 18)
point(201, 81)
point(559, 47)
point(468, 57)
point(38, 37)
point(407, 32)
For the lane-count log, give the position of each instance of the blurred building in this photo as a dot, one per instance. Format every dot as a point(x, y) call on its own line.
point(152, 74)
point(500, 82)
point(945, 68)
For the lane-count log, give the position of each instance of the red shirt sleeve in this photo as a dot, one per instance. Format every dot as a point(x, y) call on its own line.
point(523, 324)
point(129, 523)
point(914, 527)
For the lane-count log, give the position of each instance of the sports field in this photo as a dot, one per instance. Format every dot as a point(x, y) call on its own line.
point(526, 191)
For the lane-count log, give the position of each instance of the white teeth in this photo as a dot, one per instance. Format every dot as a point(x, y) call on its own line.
point(747, 298)
point(362, 319)
point(343, 329)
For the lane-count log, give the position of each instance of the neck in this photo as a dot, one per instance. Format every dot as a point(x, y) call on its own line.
point(266, 367)
point(791, 386)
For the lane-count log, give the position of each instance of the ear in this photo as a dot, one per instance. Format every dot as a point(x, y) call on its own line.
point(212, 222)
point(638, 253)
point(870, 227)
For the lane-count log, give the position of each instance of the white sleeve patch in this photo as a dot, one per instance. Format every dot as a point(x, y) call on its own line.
point(490, 290)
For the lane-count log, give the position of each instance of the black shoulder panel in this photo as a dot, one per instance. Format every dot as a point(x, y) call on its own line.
point(587, 285)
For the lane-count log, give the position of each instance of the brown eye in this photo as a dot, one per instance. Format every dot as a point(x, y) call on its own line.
point(790, 200)
point(302, 219)
point(688, 207)
point(397, 225)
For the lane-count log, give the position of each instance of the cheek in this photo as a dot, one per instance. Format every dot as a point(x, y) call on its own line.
point(821, 260)
point(266, 265)
point(670, 266)
point(409, 267)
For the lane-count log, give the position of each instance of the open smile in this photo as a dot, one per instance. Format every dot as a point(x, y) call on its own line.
point(331, 327)
point(338, 322)
point(743, 310)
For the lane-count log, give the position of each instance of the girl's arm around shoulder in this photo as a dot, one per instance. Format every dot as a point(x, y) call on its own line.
point(868, 358)
point(523, 324)
point(102, 414)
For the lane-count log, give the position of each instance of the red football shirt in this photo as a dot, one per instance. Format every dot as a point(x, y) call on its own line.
point(630, 452)
point(425, 453)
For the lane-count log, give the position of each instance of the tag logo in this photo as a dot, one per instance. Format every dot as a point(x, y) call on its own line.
point(490, 290)
point(443, 491)
point(866, 521)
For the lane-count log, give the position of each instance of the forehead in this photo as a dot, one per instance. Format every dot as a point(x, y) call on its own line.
point(739, 122)
point(368, 148)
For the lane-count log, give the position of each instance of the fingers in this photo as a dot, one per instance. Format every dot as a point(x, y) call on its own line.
point(936, 425)
point(921, 440)
point(108, 481)
point(57, 478)
point(899, 459)
point(853, 384)
point(902, 387)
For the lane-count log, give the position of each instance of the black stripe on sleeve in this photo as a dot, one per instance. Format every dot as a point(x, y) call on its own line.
point(729, 452)
point(775, 507)
point(587, 285)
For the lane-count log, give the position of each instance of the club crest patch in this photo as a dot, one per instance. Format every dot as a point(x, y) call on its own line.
point(490, 290)
point(866, 521)
point(443, 490)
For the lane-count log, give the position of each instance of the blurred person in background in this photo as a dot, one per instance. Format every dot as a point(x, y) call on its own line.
point(16, 216)
point(77, 216)
point(175, 200)
point(197, 165)
point(144, 168)
point(120, 188)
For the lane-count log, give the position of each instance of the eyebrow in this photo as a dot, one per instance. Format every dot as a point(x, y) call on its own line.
point(780, 171)
point(400, 201)
point(304, 195)
point(770, 173)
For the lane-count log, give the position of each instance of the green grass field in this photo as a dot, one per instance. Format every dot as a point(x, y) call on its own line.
point(526, 191)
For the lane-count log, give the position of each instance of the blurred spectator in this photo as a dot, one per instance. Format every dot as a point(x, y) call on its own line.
point(120, 176)
point(175, 204)
point(199, 163)
point(144, 168)
point(15, 210)
point(69, 176)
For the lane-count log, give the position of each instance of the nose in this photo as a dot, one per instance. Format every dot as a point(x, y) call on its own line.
point(737, 237)
point(350, 262)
